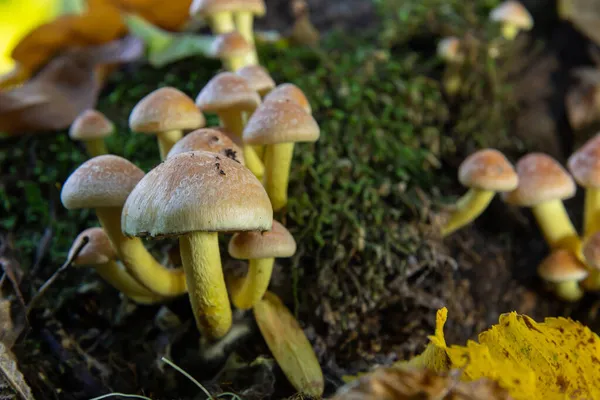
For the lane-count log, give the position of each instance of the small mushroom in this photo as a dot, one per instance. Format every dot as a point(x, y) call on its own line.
point(485, 173)
point(218, 13)
point(208, 139)
point(104, 183)
point(194, 196)
point(258, 78)
point(278, 125)
point(261, 248)
point(232, 49)
point(165, 112)
point(449, 50)
point(244, 21)
point(91, 127)
point(514, 18)
point(591, 253)
point(563, 269)
point(289, 92)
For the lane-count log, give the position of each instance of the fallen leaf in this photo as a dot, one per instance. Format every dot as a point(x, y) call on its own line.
point(12, 381)
point(171, 18)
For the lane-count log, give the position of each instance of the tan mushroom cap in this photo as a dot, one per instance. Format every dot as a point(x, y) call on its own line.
point(103, 181)
point(197, 191)
point(591, 251)
point(98, 249)
point(287, 92)
point(91, 124)
point(584, 164)
point(488, 169)
point(258, 78)
point(512, 12)
point(278, 242)
point(541, 179)
point(280, 122)
point(231, 44)
point(204, 8)
point(560, 266)
point(225, 91)
point(449, 49)
point(165, 109)
point(208, 139)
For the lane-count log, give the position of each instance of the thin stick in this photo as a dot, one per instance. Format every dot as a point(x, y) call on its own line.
point(131, 396)
point(191, 378)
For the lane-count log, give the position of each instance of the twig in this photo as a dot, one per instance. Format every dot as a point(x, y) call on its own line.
point(56, 274)
point(191, 378)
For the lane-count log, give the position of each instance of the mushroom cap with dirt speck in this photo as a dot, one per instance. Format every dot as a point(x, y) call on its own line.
point(231, 44)
point(258, 78)
point(226, 91)
point(280, 122)
point(488, 169)
point(98, 249)
point(541, 179)
point(204, 8)
point(560, 266)
point(591, 251)
point(278, 242)
point(103, 181)
point(512, 12)
point(197, 191)
point(91, 124)
point(287, 92)
point(165, 109)
point(208, 139)
point(584, 164)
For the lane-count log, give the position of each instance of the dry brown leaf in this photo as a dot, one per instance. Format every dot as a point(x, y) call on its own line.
point(12, 381)
point(12, 322)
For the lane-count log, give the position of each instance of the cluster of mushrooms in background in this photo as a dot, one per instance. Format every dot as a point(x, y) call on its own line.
point(220, 180)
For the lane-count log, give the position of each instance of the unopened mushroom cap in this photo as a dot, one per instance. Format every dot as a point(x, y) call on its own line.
point(287, 92)
point(103, 181)
point(560, 266)
point(208, 139)
point(488, 170)
point(231, 44)
point(204, 8)
point(280, 122)
point(448, 49)
point(278, 242)
point(197, 191)
point(541, 179)
point(163, 110)
point(258, 78)
point(512, 12)
point(98, 249)
point(591, 251)
point(227, 91)
point(584, 164)
point(91, 124)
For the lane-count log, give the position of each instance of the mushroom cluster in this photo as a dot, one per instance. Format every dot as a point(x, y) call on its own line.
point(212, 181)
point(540, 183)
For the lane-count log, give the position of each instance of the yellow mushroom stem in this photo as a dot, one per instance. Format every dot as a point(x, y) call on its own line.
point(244, 21)
point(233, 121)
point(95, 147)
point(468, 207)
point(509, 31)
point(556, 227)
point(166, 140)
point(137, 260)
point(569, 290)
point(591, 213)
point(260, 152)
point(221, 22)
point(245, 293)
point(451, 79)
point(206, 284)
point(116, 276)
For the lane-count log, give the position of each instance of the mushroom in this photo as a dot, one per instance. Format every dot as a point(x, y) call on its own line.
point(287, 92)
point(104, 183)
point(289, 345)
point(261, 248)
point(218, 13)
point(165, 112)
point(279, 125)
point(485, 173)
point(91, 127)
point(211, 140)
point(563, 269)
point(258, 78)
point(99, 254)
point(244, 21)
point(591, 253)
point(449, 50)
point(231, 98)
point(543, 184)
point(584, 165)
point(513, 17)
point(194, 196)
point(232, 49)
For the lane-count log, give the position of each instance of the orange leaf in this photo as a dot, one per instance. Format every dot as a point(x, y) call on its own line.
point(170, 18)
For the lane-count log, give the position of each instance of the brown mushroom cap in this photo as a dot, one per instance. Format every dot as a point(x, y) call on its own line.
point(512, 12)
point(258, 78)
point(225, 91)
point(280, 122)
point(208, 139)
point(231, 44)
point(560, 266)
point(91, 124)
point(204, 8)
point(98, 249)
point(103, 181)
point(488, 170)
point(197, 191)
point(287, 92)
point(584, 164)
point(278, 242)
point(163, 110)
point(541, 179)
point(591, 251)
